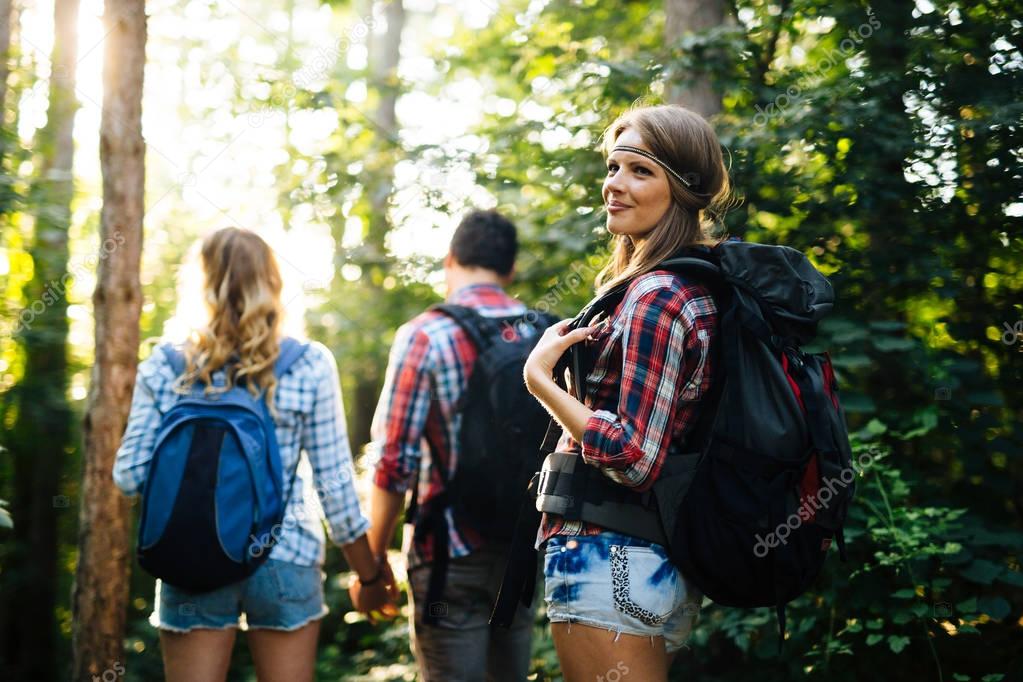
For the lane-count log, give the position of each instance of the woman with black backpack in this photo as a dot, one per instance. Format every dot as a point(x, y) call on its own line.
point(235, 361)
point(617, 605)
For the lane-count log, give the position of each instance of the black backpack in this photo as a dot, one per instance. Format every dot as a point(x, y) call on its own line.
point(749, 504)
point(501, 425)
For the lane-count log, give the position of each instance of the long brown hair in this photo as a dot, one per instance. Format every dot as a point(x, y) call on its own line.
point(243, 299)
point(686, 142)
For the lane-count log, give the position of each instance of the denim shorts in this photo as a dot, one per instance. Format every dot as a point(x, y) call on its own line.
point(279, 596)
point(619, 583)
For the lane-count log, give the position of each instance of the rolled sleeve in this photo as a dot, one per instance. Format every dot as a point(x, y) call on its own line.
point(400, 418)
point(325, 441)
point(657, 336)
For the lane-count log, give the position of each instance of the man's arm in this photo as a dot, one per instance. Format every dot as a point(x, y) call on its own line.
point(397, 432)
point(384, 509)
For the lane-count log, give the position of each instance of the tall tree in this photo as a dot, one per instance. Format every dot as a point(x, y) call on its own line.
point(695, 88)
point(7, 14)
point(100, 595)
point(384, 55)
point(41, 433)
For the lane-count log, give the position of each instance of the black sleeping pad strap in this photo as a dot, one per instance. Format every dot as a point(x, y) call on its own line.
point(519, 581)
point(780, 485)
point(434, 523)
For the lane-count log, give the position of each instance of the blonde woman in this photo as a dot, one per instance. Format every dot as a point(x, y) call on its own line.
point(281, 603)
point(618, 607)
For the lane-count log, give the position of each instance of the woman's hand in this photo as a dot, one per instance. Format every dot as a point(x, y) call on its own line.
point(548, 350)
point(377, 600)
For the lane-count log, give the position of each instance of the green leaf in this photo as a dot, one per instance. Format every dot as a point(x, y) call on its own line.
point(907, 593)
point(873, 639)
point(902, 617)
point(993, 677)
point(851, 361)
point(887, 325)
point(858, 402)
point(893, 344)
point(983, 571)
point(5, 519)
point(985, 398)
point(968, 630)
point(897, 643)
point(996, 607)
point(960, 677)
point(967, 606)
point(1014, 578)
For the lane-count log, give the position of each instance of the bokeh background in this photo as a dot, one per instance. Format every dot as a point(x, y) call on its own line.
point(882, 140)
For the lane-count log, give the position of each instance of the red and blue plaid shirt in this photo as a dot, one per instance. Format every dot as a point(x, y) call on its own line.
point(653, 366)
point(428, 371)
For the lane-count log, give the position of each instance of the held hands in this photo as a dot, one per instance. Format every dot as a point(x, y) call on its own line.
point(549, 349)
point(378, 596)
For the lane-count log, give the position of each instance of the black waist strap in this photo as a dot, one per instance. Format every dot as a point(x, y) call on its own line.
point(577, 491)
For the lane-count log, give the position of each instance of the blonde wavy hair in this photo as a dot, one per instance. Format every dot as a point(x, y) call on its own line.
point(243, 299)
point(686, 142)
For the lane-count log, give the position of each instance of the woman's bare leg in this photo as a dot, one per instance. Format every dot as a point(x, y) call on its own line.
point(200, 655)
point(285, 656)
point(590, 653)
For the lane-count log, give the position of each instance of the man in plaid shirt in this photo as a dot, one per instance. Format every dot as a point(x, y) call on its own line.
point(417, 423)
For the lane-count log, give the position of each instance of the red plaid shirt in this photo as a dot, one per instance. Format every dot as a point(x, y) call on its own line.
point(428, 371)
point(652, 368)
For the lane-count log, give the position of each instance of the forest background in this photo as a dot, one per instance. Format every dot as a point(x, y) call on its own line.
point(882, 140)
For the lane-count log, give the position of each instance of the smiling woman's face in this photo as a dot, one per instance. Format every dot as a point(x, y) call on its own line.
point(636, 192)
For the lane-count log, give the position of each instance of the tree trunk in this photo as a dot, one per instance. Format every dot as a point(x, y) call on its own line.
point(41, 433)
point(384, 55)
point(6, 16)
point(698, 91)
point(100, 594)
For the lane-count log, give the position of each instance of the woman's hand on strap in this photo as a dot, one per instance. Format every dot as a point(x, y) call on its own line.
point(548, 350)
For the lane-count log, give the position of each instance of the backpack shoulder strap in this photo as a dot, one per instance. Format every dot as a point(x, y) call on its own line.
point(479, 328)
point(291, 350)
point(175, 358)
point(702, 268)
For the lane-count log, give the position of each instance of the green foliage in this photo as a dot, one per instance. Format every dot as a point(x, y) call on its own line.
point(5, 517)
point(882, 141)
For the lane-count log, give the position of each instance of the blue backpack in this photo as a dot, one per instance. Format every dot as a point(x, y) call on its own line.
point(213, 504)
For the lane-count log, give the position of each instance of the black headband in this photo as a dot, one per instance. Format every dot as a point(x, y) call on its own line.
point(690, 180)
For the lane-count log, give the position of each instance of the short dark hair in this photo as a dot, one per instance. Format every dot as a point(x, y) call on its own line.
point(485, 239)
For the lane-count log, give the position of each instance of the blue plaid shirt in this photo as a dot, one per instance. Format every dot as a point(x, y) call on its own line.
point(310, 417)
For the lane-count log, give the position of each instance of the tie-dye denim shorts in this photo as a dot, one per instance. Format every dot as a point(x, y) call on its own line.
point(619, 583)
